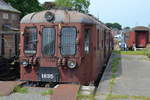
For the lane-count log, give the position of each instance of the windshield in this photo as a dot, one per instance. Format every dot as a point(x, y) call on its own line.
point(68, 41)
point(30, 40)
point(48, 41)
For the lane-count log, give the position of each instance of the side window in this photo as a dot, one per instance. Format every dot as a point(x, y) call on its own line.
point(102, 44)
point(87, 41)
point(98, 47)
point(5, 16)
point(14, 17)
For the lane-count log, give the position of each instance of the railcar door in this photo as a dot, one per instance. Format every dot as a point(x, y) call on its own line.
point(89, 54)
point(48, 71)
point(141, 39)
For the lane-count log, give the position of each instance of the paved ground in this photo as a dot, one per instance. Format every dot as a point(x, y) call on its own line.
point(33, 94)
point(132, 79)
point(6, 87)
point(59, 92)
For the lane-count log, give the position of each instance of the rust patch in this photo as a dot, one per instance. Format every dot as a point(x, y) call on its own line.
point(65, 92)
point(7, 87)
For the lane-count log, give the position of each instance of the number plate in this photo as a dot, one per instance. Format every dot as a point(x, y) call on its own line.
point(48, 74)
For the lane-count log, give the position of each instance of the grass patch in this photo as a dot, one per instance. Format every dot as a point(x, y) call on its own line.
point(120, 97)
point(19, 89)
point(85, 97)
point(116, 51)
point(115, 63)
point(140, 97)
point(109, 97)
point(132, 52)
point(147, 53)
point(111, 84)
point(114, 69)
point(48, 92)
point(139, 52)
point(115, 97)
point(113, 76)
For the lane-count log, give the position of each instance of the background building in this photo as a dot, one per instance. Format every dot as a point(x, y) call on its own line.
point(9, 30)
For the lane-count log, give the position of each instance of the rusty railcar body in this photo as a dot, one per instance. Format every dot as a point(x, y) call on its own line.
point(139, 37)
point(63, 46)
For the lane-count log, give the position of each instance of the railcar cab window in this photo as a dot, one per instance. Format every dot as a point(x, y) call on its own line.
point(30, 40)
point(87, 41)
point(68, 41)
point(48, 41)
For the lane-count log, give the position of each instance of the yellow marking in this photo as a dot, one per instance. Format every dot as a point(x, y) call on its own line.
point(59, 26)
point(22, 33)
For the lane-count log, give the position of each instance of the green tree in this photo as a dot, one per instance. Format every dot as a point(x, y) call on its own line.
point(127, 27)
point(110, 25)
point(79, 5)
point(114, 25)
point(25, 6)
point(117, 25)
point(64, 3)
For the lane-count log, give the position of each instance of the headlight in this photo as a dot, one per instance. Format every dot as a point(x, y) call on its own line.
point(25, 63)
point(71, 64)
point(49, 16)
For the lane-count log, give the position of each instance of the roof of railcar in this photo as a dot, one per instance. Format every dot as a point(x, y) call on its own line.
point(140, 28)
point(61, 16)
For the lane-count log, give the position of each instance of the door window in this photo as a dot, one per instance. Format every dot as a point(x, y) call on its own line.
point(48, 41)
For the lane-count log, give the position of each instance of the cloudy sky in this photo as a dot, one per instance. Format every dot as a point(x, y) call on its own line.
point(126, 12)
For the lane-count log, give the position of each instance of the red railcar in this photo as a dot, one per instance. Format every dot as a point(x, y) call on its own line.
point(63, 46)
point(139, 37)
